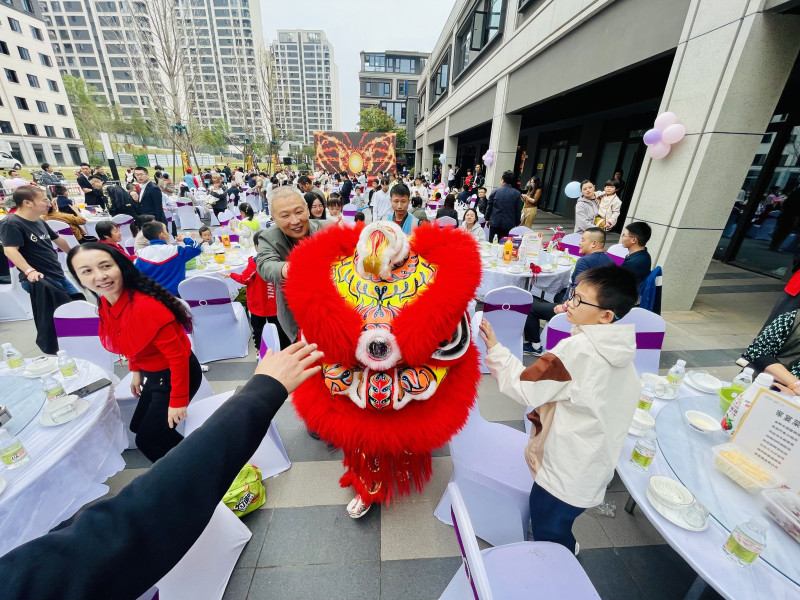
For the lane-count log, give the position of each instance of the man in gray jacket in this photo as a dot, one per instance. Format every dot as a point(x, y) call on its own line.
point(292, 222)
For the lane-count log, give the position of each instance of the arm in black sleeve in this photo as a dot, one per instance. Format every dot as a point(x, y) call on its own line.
point(129, 542)
point(763, 351)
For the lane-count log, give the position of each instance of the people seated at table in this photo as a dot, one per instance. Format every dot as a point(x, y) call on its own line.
point(248, 217)
point(109, 233)
point(472, 226)
point(334, 208)
point(418, 208)
point(400, 200)
point(70, 218)
point(504, 208)
point(163, 262)
point(449, 208)
point(316, 206)
point(64, 203)
point(141, 320)
point(608, 207)
point(593, 255)
point(292, 223)
point(139, 241)
point(206, 237)
point(776, 350)
point(586, 207)
point(635, 237)
point(482, 200)
point(584, 393)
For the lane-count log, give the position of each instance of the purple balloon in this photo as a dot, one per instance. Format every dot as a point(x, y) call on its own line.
point(652, 136)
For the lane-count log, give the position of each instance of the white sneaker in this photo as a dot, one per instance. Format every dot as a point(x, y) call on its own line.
point(357, 508)
point(577, 548)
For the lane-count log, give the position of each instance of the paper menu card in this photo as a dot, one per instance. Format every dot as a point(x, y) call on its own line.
point(770, 432)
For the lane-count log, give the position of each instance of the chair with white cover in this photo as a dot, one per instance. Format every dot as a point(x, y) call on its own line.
point(225, 217)
point(15, 303)
point(64, 231)
point(204, 571)
point(571, 242)
point(271, 457)
point(124, 223)
point(443, 222)
point(521, 570)
point(130, 245)
point(349, 213)
point(187, 217)
point(520, 230)
point(221, 329)
point(490, 469)
point(214, 222)
point(225, 230)
point(253, 198)
point(77, 324)
point(617, 252)
point(269, 340)
point(506, 309)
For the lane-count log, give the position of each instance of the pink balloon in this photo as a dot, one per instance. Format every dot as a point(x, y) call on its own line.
point(488, 161)
point(673, 134)
point(659, 150)
point(664, 120)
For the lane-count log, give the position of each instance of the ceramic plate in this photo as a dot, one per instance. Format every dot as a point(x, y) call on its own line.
point(702, 381)
point(43, 368)
point(236, 263)
point(81, 406)
point(213, 267)
point(672, 515)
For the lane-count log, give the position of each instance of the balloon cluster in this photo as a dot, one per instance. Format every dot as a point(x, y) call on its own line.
point(488, 158)
point(666, 131)
point(441, 159)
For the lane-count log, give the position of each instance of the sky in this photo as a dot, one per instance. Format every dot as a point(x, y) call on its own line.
point(355, 25)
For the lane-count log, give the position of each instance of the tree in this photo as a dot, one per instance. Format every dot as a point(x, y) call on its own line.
point(375, 118)
point(92, 113)
point(271, 100)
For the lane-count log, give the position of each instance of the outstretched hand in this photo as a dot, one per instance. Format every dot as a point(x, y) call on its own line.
point(487, 334)
point(291, 366)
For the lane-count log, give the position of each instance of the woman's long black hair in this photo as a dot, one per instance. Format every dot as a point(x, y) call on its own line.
point(134, 279)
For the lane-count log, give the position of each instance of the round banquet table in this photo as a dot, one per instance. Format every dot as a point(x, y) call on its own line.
point(552, 282)
point(69, 463)
point(233, 287)
point(686, 456)
point(500, 276)
point(91, 224)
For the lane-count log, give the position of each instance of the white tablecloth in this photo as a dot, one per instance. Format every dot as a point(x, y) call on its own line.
point(703, 550)
point(68, 465)
point(500, 276)
point(233, 287)
point(552, 282)
point(91, 224)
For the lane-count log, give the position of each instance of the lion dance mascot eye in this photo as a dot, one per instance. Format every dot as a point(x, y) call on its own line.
point(400, 371)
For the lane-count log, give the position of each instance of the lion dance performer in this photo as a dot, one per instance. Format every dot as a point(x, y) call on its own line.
point(401, 372)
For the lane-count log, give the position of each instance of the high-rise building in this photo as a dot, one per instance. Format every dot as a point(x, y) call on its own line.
point(389, 80)
point(307, 84)
point(96, 40)
point(36, 121)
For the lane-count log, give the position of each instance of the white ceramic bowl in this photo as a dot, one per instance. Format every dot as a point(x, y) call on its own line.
point(670, 492)
point(643, 420)
point(653, 378)
point(700, 421)
point(41, 365)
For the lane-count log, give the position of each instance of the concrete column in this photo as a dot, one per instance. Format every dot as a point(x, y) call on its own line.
point(504, 137)
point(450, 150)
point(427, 156)
point(730, 68)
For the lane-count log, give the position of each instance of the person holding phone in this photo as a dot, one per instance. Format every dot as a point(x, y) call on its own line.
point(141, 320)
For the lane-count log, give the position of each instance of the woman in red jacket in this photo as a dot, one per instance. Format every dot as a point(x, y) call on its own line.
point(141, 320)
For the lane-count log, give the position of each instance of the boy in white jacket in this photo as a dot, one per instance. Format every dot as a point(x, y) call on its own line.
point(584, 393)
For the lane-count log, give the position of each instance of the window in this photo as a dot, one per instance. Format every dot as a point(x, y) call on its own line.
point(5, 127)
point(22, 104)
point(61, 110)
point(37, 33)
point(14, 24)
point(375, 62)
point(33, 80)
point(27, 6)
point(377, 88)
point(4, 49)
point(45, 60)
point(52, 85)
point(68, 133)
point(88, 61)
point(42, 106)
point(439, 80)
point(396, 110)
point(478, 31)
point(31, 129)
point(50, 131)
point(23, 53)
point(12, 76)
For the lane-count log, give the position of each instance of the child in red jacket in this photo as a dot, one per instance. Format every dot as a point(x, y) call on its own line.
point(260, 297)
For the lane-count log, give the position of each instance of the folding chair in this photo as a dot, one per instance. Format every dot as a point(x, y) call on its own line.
point(124, 223)
point(15, 303)
point(506, 308)
point(617, 252)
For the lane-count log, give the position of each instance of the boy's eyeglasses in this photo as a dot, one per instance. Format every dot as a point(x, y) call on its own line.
point(577, 301)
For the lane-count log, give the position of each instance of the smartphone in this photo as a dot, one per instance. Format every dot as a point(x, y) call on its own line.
point(91, 388)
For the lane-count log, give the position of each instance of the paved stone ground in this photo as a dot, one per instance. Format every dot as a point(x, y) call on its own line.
point(305, 547)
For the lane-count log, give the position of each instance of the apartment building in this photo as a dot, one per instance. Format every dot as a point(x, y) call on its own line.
point(36, 121)
point(95, 40)
point(390, 80)
point(307, 84)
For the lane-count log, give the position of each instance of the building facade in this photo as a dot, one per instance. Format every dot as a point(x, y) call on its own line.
point(390, 81)
point(36, 122)
point(565, 89)
point(307, 95)
point(95, 41)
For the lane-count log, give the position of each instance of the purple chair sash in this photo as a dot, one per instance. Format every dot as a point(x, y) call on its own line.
point(208, 302)
point(618, 260)
point(80, 327)
point(574, 250)
point(520, 308)
point(224, 223)
point(127, 222)
point(349, 212)
point(645, 340)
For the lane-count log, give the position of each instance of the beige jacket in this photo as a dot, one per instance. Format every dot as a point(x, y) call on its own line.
point(585, 393)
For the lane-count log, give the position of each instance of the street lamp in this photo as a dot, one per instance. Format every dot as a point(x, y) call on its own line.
point(180, 130)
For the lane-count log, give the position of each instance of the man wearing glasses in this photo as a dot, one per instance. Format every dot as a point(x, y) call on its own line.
point(592, 250)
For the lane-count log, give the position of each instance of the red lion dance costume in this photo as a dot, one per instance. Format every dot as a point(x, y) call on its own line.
point(400, 372)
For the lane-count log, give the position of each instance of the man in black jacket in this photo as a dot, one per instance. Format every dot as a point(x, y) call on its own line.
point(120, 202)
point(635, 237)
point(120, 547)
point(150, 198)
point(504, 209)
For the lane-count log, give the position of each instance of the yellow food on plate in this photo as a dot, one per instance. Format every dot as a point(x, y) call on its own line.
point(740, 468)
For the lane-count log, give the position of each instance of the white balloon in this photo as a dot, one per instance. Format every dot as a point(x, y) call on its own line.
point(673, 134)
point(666, 119)
point(659, 150)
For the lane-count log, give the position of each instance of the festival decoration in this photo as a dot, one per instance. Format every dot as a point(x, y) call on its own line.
point(488, 158)
point(573, 189)
point(354, 152)
point(666, 131)
point(555, 241)
point(535, 270)
point(400, 371)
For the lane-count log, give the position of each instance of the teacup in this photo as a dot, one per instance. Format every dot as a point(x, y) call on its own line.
point(61, 410)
